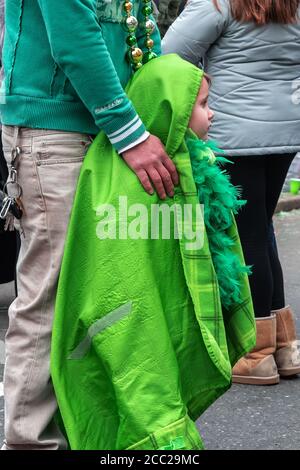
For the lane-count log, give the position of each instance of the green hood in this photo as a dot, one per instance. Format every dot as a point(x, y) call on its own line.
point(164, 94)
point(141, 345)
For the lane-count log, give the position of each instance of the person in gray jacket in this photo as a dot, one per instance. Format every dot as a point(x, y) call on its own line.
point(252, 51)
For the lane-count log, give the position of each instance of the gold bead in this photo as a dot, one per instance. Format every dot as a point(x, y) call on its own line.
point(149, 43)
point(136, 54)
point(128, 6)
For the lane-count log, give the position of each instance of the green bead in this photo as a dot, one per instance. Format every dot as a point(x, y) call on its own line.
point(147, 10)
point(137, 66)
point(131, 40)
point(149, 55)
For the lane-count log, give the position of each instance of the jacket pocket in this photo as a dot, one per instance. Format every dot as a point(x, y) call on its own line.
point(132, 348)
point(59, 149)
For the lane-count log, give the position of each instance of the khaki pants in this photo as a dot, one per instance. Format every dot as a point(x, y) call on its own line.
point(48, 169)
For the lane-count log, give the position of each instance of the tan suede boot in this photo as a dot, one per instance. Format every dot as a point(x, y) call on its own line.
point(258, 367)
point(287, 356)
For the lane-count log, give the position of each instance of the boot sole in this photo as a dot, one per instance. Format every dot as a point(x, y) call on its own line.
point(252, 380)
point(289, 372)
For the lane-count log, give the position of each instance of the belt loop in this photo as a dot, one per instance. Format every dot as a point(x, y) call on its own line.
point(15, 151)
point(15, 136)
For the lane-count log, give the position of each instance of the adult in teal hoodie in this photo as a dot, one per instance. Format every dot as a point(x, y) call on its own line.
point(64, 71)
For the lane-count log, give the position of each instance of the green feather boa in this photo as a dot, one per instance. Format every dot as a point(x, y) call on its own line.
point(220, 199)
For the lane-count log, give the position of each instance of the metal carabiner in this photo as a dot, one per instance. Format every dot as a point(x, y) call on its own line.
point(15, 153)
point(12, 175)
point(17, 185)
point(7, 202)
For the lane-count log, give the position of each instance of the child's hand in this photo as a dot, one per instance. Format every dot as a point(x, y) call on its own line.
point(150, 163)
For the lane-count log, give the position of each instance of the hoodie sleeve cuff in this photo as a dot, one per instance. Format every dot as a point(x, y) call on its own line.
point(136, 142)
point(125, 130)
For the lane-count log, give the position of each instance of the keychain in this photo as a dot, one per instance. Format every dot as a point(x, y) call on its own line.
point(11, 206)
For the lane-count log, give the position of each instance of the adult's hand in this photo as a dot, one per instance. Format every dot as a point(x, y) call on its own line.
point(151, 164)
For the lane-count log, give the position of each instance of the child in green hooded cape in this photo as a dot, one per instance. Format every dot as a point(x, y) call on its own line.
point(147, 325)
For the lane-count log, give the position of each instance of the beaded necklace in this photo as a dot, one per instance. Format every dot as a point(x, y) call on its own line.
point(135, 54)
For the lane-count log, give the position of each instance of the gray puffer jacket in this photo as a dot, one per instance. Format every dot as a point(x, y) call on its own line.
point(255, 91)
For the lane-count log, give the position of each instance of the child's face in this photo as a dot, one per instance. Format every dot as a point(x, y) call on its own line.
point(201, 117)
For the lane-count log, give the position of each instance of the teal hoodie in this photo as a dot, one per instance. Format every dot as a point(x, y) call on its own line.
point(65, 67)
